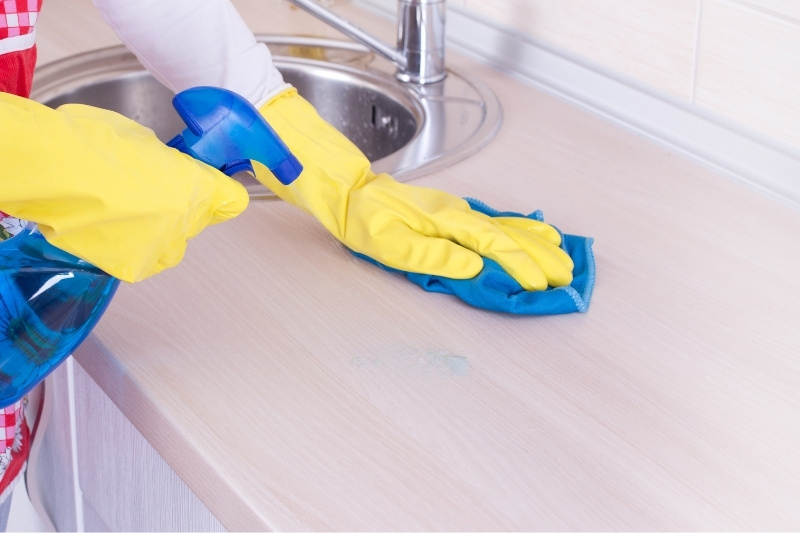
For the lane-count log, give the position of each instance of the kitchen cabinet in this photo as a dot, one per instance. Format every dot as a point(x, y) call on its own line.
point(121, 483)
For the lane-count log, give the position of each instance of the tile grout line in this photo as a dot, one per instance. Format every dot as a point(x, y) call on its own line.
point(783, 17)
point(696, 55)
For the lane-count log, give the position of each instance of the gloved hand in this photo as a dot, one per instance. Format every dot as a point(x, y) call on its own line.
point(405, 227)
point(104, 188)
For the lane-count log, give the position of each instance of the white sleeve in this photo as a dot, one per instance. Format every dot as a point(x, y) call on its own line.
point(186, 43)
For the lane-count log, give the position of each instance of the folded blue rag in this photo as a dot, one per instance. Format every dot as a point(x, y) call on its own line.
point(493, 289)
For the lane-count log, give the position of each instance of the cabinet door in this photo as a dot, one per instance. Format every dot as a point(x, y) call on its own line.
point(124, 484)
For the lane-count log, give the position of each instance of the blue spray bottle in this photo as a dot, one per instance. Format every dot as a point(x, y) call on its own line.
point(50, 300)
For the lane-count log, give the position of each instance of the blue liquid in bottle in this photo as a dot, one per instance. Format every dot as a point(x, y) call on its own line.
point(49, 302)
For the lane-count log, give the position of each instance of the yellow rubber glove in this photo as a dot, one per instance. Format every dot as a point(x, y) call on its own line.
point(405, 227)
point(105, 189)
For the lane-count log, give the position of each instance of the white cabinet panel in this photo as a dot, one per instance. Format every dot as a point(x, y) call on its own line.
point(125, 484)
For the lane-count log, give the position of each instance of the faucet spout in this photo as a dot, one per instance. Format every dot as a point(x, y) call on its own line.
point(419, 55)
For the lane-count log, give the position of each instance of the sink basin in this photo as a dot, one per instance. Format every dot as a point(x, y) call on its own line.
point(404, 129)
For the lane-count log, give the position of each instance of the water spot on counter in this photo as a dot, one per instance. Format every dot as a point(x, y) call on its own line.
point(457, 364)
point(415, 360)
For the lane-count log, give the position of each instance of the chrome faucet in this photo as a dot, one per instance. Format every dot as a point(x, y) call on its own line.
point(419, 55)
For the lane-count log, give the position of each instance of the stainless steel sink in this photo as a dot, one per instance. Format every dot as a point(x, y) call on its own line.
point(404, 129)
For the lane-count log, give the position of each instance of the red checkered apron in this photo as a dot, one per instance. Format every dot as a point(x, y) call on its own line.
point(17, 60)
point(16, 447)
point(17, 51)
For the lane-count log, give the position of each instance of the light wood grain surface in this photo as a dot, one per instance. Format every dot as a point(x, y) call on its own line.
point(293, 386)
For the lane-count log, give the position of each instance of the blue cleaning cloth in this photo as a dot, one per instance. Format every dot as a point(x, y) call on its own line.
point(495, 290)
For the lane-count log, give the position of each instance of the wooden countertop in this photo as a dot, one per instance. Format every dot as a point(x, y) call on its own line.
point(293, 386)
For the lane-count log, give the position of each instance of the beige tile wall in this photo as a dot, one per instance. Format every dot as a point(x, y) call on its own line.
point(737, 58)
point(780, 8)
point(650, 40)
point(749, 67)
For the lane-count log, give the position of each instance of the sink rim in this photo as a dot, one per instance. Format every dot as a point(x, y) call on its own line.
point(415, 159)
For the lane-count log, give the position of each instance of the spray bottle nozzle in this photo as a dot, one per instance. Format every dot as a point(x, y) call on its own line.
point(225, 131)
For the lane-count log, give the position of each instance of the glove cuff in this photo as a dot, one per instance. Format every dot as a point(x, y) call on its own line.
point(274, 93)
point(333, 167)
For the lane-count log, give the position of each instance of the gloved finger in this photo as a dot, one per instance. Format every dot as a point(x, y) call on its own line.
point(542, 229)
point(412, 251)
point(230, 199)
point(479, 233)
point(556, 264)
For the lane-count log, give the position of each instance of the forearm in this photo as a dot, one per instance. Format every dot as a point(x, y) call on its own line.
point(189, 43)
